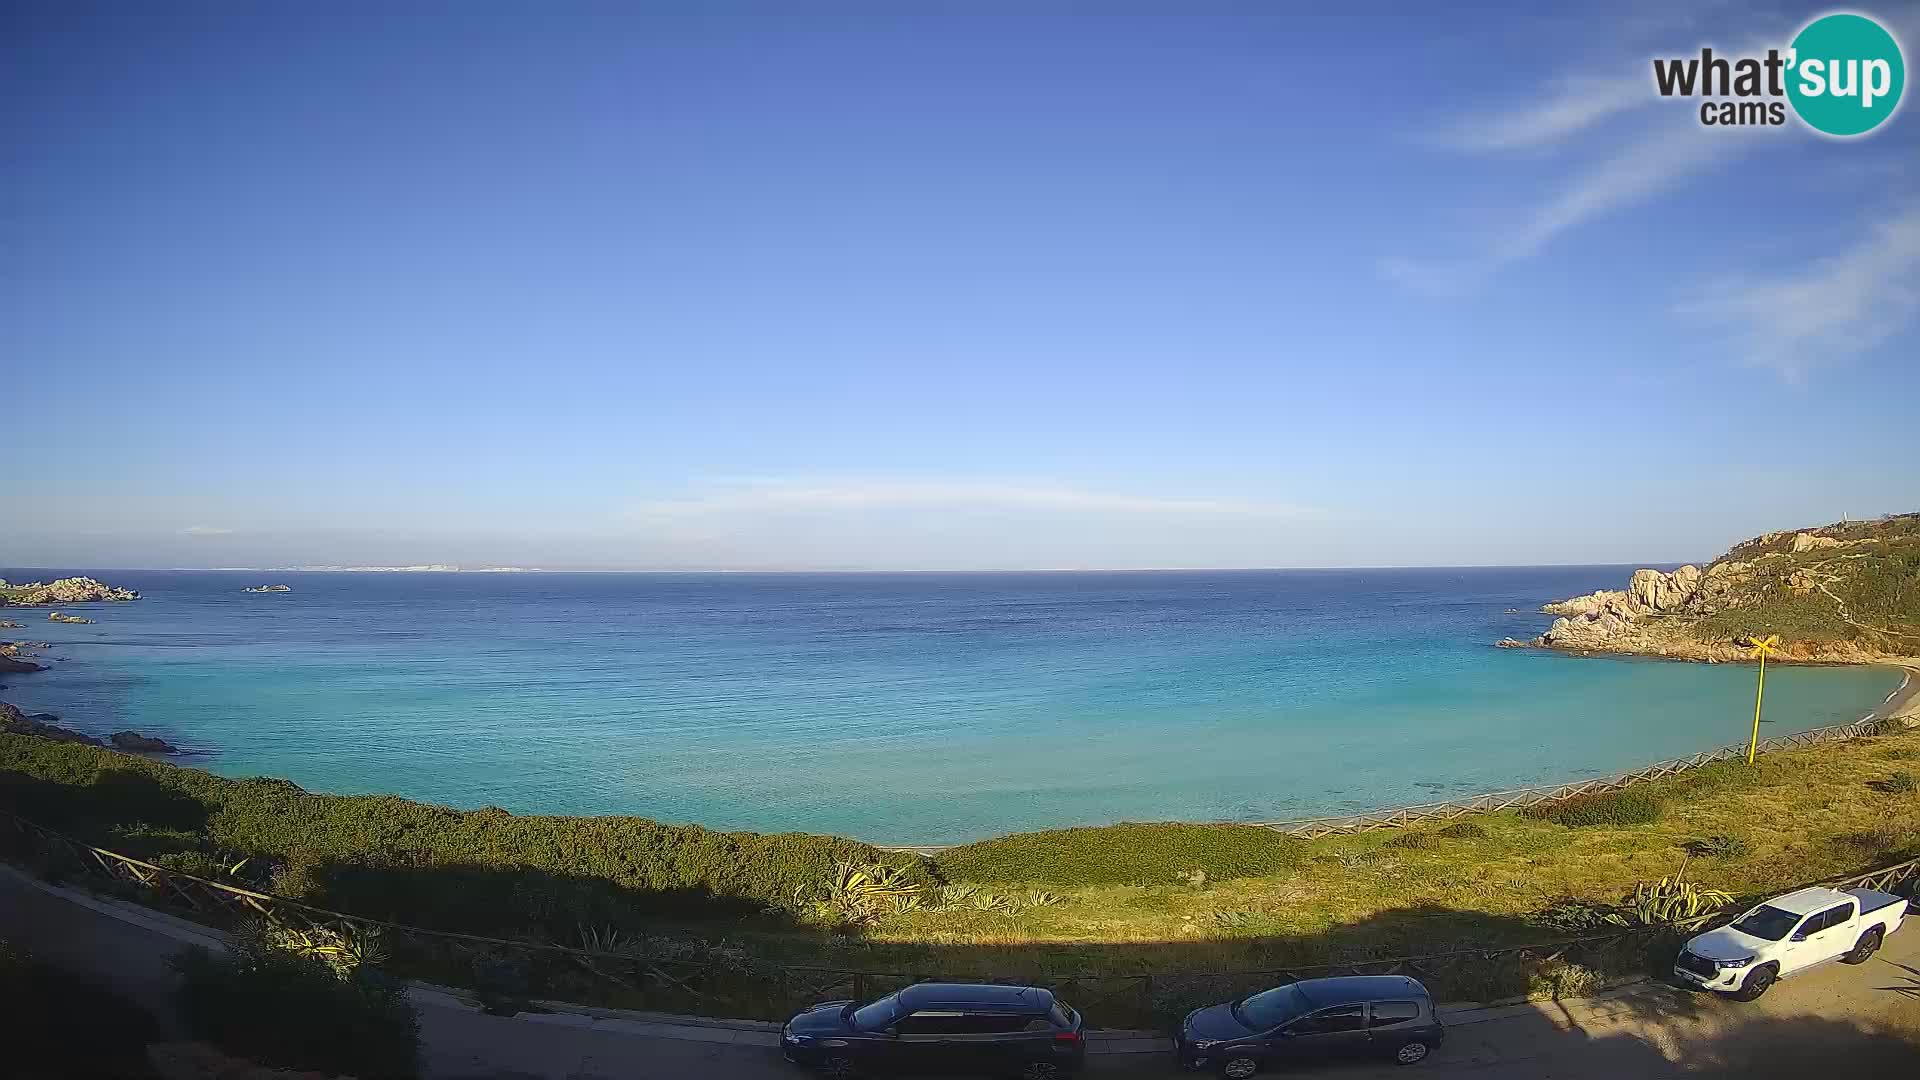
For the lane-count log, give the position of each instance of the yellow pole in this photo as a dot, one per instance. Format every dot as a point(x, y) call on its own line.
point(1758, 693)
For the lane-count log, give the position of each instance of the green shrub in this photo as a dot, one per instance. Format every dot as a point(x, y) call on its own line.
point(1122, 855)
point(1571, 916)
point(1414, 841)
point(1464, 830)
point(481, 871)
point(1628, 806)
point(279, 1007)
point(1900, 783)
point(1719, 846)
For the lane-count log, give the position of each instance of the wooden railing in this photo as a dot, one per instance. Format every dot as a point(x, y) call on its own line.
point(662, 973)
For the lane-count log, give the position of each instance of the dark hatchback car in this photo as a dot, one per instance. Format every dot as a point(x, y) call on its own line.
point(954, 1028)
point(1313, 1020)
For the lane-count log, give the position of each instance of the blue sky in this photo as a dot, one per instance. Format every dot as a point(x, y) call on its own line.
point(926, 291)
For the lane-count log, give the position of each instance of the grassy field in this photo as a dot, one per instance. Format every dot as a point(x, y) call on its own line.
point(1125, 898)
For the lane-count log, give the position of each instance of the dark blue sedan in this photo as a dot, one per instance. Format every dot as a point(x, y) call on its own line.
point(1313, 1020)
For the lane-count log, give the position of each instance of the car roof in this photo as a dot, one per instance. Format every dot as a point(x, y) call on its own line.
point(1809, 900)
point(1348, 989)
point(976, 995)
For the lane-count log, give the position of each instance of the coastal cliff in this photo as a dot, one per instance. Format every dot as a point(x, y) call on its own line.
point(1844, 593)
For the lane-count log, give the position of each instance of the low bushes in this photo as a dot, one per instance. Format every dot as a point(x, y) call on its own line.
point(481, 871)
point(1464, 830)
point(279, 1006)
point(1719, 846)
point(1123, 855)
point(1628, 806)
point(1414, 841)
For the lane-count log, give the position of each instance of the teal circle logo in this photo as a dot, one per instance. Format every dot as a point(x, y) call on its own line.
point(1845, 74)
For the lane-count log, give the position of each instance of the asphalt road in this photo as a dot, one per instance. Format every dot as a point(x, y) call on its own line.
point(1858, 1021)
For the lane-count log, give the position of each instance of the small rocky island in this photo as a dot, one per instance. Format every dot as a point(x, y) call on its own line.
point(268, 588)
point(73, 590)
point(1844, 593)
point(62, 617)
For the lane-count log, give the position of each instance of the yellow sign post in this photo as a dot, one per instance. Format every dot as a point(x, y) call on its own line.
point(1762, 647)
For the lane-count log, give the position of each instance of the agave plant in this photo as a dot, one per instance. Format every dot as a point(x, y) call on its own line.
point(1671, 900)
point(863, 892)
point(345, 950)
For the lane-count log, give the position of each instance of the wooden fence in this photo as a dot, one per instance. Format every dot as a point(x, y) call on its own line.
point(685, 975)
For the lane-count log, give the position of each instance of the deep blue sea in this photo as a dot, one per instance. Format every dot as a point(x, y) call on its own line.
point(899, 708)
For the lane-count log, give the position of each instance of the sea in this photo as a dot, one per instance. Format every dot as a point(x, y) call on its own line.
point(912, 708)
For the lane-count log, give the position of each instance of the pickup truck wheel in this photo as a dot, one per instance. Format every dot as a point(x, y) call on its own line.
point(1757, 982)
point(1864, 949)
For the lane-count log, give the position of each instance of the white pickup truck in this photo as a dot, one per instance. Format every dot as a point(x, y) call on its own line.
point(1787, 935)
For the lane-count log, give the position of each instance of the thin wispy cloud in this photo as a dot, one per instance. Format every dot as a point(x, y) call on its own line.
point(1635, 173)
point(1837, 307)
point(1632, 164)
point(1566, 108)
point(205, 530)
point(852, 495)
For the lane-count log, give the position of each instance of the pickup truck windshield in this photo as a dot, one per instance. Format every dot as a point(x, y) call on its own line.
point(1767, 922)
point(1271, 1008)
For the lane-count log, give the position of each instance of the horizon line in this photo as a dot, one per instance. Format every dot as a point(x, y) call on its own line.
point(850, 571)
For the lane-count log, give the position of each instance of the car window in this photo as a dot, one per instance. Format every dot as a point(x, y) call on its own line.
point(1389, 1013)
point(1061, 1014)
point(877, 1015)
point(998, 1023)
point(934, 1022)
point(1767, 922)
point(1328, 1021)
point(1270, 1008)
point(1829, 918)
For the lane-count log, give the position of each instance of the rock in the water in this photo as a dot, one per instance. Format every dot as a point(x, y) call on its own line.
point(56, 616)
point(41, 725)
point(268, 588)
point(73, 590)
point(6, 624)
point(1512, 643)
point(141, 744)
point(1591, 604)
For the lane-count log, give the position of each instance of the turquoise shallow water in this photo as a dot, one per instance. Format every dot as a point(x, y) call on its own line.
point(901, 708)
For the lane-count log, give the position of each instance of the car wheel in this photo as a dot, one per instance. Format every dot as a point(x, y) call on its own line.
point(1864, 949)
point(1239, 1067)
point(1412, 1053)
point(840, 1068)
point(1756, 984)
point(1040, 1070)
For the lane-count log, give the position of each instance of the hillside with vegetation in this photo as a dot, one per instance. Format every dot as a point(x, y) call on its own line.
point(1081, 903)
point(1842, 593)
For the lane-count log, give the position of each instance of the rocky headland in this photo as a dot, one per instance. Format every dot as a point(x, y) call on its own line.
point(73, 590)
point(1846, 593)
point(13, 721)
